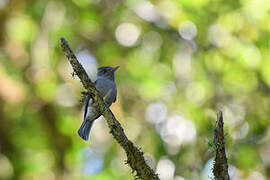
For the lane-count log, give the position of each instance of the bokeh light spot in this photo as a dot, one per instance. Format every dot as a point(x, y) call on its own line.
point(219, 36)
point(156, 112)
point(165, 169)
point(127, 34)
point(195, 92)
point(21, 28)
point(152, 41)
point(89, 63)
point(187, 30)
point(6, 170)
point(177, 131)
point(92, 162)
point(251, 56)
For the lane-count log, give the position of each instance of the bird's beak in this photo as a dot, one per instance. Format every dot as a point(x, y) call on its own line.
point(115, 68)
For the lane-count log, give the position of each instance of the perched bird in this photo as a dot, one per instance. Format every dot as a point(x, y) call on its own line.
point(105, 84)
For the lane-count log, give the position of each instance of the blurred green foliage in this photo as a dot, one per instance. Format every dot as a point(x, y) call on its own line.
point(180, 61)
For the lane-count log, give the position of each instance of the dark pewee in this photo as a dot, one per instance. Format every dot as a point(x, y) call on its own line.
point(106, 86)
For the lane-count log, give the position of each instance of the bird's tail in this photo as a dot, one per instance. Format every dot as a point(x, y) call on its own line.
point(85, 128)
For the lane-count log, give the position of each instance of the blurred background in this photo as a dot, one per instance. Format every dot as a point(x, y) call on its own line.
point(180, 61)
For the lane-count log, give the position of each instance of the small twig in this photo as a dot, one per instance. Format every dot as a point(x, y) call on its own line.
point(220, 169)
point(135, 157)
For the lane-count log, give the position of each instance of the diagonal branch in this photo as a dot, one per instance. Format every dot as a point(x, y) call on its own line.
point(220, 169)
point(135, 157)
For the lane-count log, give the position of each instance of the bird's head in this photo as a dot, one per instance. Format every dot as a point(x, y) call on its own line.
point(107, 71)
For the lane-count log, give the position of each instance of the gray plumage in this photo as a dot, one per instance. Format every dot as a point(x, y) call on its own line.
point(106, 86)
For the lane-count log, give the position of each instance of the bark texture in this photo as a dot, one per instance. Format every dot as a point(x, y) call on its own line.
point(220, 169)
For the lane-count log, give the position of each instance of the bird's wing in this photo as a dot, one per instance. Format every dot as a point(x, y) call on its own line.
point(90, 109)
point(115, 97)
point(86, 102)
point(101, 87)
point(107, 89)
point(110, 97)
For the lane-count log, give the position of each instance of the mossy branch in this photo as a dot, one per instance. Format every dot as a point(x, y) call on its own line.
point(135, 157)
point(220, 169)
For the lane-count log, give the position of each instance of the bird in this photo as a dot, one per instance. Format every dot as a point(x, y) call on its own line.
point(105, 84)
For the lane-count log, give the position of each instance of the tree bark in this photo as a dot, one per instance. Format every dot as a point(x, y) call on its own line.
point(220, 169)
